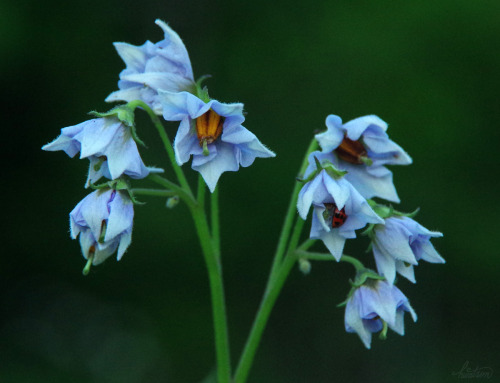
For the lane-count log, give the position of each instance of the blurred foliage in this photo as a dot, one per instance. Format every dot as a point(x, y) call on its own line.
point(430, 69)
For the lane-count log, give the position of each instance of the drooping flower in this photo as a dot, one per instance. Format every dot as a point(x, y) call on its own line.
point(212, 133)
point(374, 306)
point(339, 209)
point(400, 244)
point(104, 221)
point(363, 148)
point(150, 67)
point(107, 143)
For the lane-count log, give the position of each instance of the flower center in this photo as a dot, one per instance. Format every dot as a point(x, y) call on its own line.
point(353, 152)
point(209, 127)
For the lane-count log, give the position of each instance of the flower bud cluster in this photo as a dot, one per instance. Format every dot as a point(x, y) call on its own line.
point(340, 181)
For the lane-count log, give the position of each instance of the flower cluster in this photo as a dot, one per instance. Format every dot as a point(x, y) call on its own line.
point(340, 181)
point(157, 76)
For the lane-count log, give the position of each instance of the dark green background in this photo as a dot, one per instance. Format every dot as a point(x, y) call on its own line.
point(429, 68)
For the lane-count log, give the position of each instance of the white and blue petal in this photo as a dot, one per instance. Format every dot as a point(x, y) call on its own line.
point(400, 244)
point(331, 139)
point(235, 146)
point(150, 68)
point(107, 212)
point(224, 161)
point(370, 304)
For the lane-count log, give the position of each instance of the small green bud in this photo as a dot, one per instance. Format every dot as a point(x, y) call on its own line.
point(172, 202)
point(304, 266)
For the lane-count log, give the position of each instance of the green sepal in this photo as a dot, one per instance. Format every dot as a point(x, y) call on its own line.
point(409, 215)
point(384, 211)
point(125, 114)
point(369, 230)
point(365, 277)
point(104, 185)
point(331, 170)
point(369, 248)
point(327, 166)
point(202, 93)
point(120, 184)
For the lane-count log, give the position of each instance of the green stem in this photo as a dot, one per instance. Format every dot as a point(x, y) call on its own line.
point(292, 209)
point(353, 261)
point(201, 192)
point(307, 244)
point(279, 271)
point(259, 324)
point(214, 214)
point(166, 142)
point(154, 192)
point(313, 256)
point(185, 195)
point(209, 245)
point(217, 293)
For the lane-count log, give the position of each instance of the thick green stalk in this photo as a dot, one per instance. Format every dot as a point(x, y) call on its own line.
point(210, 252)
point(292, 209)
point(217, 293)
point(279, 271)
point(185, 195)
point(260, 322)
point(166, 142)
point(154, 192)
point(214, 214)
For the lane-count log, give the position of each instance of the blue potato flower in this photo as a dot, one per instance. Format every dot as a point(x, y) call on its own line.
point(107, 143)
point(400, 244)
point(363, 148)
point(372, 306)
point(339, 210)
point(212, 133)
point(150, 67)
point(104, 221)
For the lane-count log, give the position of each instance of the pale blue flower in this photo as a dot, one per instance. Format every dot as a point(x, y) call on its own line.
point(400, 244)
point(326, 195)
point(363, 148)
point(150, 67)
point(212, 133)
point(371, 305)
point(107, 143)
point(104, 221)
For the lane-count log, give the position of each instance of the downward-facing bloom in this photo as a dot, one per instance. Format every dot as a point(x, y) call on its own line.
point(339, 209)
point(400, 244)
point(212, 133)
point(150, 67)
point(363, 148)
point(104, 221)
point(107, 143)
point(373, 306)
